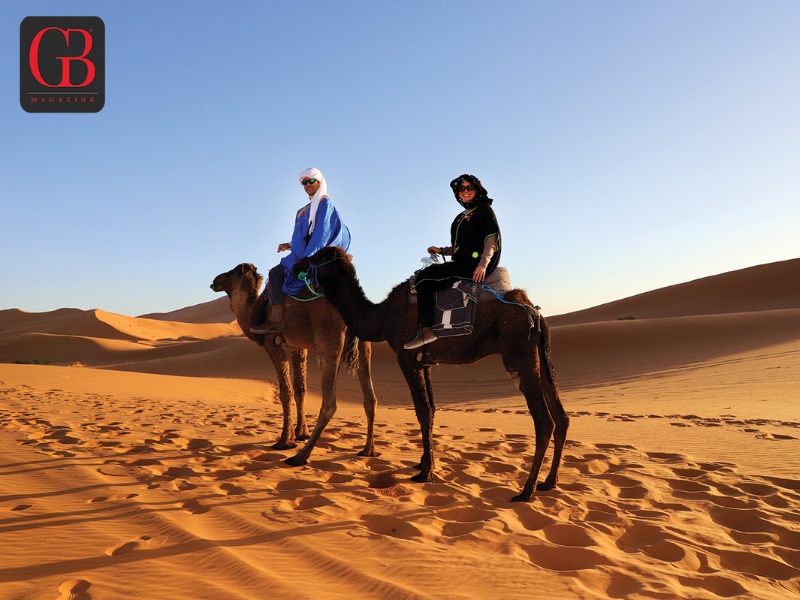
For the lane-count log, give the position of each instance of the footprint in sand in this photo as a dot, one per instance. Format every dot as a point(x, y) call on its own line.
point(180, 472)
point(613, 583)
point(657, 543)
point(667, 456)
point(563, 559)
point(313, 502)
point(223, 474)
point(126, 547)
point(532, 520)
point(339, 478)
point(74, 589)
point(723, 587)
point(232, 490)
point(255, 465)
point(114, 497)
point(391, 526)
point(569, 535)
point(688, 473)
point(194, 507)
point(687, 486)
point(199, 444)
point(760, 566)
point(595, 464)
point(495, 466)
point(757, 489)
point(433, 500)
point(62, 453)
point(122, 548)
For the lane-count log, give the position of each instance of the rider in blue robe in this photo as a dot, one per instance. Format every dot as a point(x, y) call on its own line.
point(317, 225)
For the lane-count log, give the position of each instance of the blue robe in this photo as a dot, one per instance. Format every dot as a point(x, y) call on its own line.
point(328, 231)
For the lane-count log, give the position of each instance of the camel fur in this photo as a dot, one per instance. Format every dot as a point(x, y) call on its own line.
point(309, 325)
point(519, 334)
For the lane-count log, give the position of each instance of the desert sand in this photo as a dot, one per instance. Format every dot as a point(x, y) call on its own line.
point(137, 462)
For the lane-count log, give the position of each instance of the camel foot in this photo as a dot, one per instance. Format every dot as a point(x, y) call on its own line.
point(522, 498)
point(422, 477)
point(295, 461)
point(283, 445)
point(370, 453)
point(546, 486)
point(302, 437)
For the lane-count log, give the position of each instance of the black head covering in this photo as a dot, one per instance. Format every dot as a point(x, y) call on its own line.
point(481, 196)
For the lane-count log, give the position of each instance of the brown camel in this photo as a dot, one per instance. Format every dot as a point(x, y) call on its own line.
point(511, 328)
point(314, 325)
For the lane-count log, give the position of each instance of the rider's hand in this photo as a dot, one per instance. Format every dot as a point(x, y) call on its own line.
point(284, 247)
point(479, 274)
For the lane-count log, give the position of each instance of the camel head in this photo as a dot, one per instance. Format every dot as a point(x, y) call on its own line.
point(243, 276)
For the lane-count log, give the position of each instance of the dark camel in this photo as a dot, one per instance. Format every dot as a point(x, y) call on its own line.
point(519, 334)
point(309, 325)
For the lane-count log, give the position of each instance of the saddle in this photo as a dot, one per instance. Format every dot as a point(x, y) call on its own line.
point(456, 305)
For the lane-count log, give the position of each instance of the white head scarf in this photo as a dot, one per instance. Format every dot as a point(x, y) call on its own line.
point(313, 173)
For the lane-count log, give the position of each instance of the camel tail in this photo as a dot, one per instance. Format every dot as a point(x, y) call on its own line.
point(350, 355)
point(546, 354)
point(537, 323)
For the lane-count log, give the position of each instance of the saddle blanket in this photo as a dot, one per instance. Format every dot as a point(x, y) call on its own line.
point(455, 306)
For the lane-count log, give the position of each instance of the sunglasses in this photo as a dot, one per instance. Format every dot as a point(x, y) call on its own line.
point(307, 181)
point(465, 188)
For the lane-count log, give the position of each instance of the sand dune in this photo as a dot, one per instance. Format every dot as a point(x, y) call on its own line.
point(215, 311)
point(138, 461)
point(773, 286)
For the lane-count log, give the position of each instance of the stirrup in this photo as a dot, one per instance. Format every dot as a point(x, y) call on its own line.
point(425, 336)
point(268, 327)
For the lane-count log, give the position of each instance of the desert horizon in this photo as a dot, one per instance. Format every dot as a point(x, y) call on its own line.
point(137, 460)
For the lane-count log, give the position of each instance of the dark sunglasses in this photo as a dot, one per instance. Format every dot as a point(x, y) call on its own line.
point(307, 181)
point(466, 188)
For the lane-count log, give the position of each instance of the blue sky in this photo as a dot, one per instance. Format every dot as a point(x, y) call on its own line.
point(628, 145)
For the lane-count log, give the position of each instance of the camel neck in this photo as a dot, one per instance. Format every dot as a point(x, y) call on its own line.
point(242, 303)
point(365, 318)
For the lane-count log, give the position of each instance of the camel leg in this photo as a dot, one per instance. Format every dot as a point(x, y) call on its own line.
point(281, 364)
point(418, 380)
point(368, 393)
point(530, 384)
point(330, 368)
point(561, 419)
point(299, 362)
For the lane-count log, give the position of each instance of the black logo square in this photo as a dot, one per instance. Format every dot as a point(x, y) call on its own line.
point(62, 64)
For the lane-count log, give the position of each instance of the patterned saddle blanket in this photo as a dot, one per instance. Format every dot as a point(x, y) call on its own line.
point(456, 305)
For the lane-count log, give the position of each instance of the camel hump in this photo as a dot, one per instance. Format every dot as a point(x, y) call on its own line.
point(500, 281)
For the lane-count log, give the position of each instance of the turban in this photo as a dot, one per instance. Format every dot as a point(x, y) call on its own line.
point(313, 173)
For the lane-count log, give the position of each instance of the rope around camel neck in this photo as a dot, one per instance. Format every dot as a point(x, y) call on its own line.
point(312, 273)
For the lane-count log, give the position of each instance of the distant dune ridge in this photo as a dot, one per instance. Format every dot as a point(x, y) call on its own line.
point(772, 286)
point(214, 311)
point(137, 461)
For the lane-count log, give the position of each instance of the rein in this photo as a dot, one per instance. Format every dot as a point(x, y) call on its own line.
point(306, 276)
point(533, 313)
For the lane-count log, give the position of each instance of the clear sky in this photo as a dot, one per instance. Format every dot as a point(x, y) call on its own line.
point(628, 145)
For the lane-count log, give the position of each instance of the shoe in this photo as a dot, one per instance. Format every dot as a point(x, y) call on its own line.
point(268, 327)
point(425, 336)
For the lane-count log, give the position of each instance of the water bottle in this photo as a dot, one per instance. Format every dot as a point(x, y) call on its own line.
point(431, 259)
